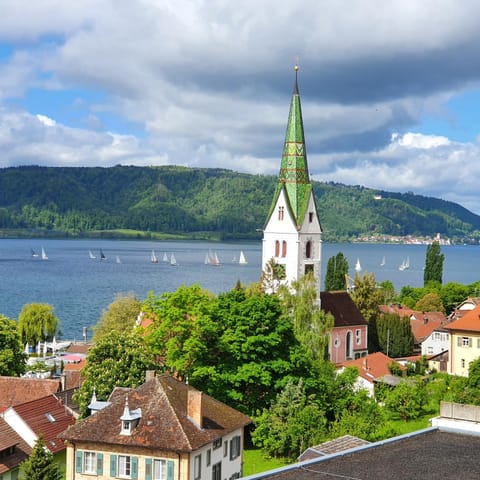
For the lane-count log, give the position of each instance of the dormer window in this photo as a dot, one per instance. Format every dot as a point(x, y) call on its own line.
point(129, 419)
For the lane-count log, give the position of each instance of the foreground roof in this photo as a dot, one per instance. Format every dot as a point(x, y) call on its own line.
point(470, 322)
point(342, 307)
point(164, 422)
point(16, 390)
point(428, 454)
point(9, 438)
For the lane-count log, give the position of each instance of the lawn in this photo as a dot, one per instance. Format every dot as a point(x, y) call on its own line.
point(255, 462)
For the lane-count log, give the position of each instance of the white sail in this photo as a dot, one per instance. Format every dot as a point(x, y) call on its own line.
point(91, 255)
point(358, 267)
point(242, 260)
point(153, 257)
point(407, 263)
point(173, 260)
point(212, 258)
point(382, 263)
point(44, 255)
point(403, 266)
point(117, 259)
point(165, 257)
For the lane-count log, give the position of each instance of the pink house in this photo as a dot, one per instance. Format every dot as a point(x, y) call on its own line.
point(348, 340)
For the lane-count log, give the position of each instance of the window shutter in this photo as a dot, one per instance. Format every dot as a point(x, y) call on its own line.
point(470, 341)
point(134, 468)
point(78, 461)
point(99, 463)
point(113, 465)
point(170, 468)
point(459, 341)
point(231, 449)
point(148, 469)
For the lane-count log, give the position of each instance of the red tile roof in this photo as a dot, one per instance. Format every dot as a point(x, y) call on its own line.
point(164, 423)
point(47, 417)
point(470, 322)
point(10, 438)
point(372, 366)
point(15, 390)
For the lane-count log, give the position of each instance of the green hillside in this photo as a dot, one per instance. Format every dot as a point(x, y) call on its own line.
point(203, 203)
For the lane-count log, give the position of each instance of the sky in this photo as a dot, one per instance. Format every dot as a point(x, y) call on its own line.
point(390, 90)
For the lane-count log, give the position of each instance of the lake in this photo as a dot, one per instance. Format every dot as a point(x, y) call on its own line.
point(80, 288)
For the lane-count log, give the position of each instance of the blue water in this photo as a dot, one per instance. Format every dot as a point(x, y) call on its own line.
point(80, 288)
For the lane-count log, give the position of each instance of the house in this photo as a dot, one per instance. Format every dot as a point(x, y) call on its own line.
point(464, 342)
point(164, 429)
point(348, 339)
point(292, 230)
point(13, 451)
point(448, 450)
point(371, 369)
point(423, 324)
point(438, 362)
point(17, 390)
point(460, 310)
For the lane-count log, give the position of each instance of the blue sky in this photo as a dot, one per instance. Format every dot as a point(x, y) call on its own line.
point(390, 90)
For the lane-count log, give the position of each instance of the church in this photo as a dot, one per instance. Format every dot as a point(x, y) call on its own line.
point(292, 238)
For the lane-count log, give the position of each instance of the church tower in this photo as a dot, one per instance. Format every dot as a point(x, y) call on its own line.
point(292, 234)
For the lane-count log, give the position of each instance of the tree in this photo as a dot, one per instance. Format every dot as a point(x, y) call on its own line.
point(272, 276)
point(120, 315)
point(293, 423)
point(406, 399)
point(12, 357)
point(37, 322)
point(431, 302)
point(116, 360)
point(395, 337)
point(337, 268)
point(367, 297)
point(433, 264)
point(311, 325)
point(40, 465)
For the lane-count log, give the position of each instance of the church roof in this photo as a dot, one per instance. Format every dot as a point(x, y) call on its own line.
point(294, 178)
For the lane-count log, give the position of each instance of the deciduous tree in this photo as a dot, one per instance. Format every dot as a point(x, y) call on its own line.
point(37, 322)
point(12, 357)
point(433, 264)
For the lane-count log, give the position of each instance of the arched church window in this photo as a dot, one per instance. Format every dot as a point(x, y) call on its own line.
point(349, 346)
point(284, 248)
point(281, 211)
point(277, 248)
point(308, 249)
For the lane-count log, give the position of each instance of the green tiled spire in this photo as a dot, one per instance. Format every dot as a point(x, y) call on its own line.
point(294, 176)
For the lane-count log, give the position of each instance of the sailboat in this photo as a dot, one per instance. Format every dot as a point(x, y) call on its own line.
point(102, 255)
point(382, 263)
point(117, 259)
point(91, 256)
point(44, 255)
point(173, 260)
point(212, 259)
point(358, 267)
point(153, 257)
point(165, 257)
point(405, 264)
point(34, 253)
point(242, 260)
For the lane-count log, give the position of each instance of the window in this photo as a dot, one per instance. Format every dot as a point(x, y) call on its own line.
point(310, 217)
point(235, 447)
point(159, 469)
point(284, 248)
point(348, 346)
point(464, 342)
point(209, 457)
point(197, 467)
point(308, 249)
point(281, 212)
point(217, 471)
point(277, 248)
point(124, 466)
point(89, 462)
point(126, 427)
point(217, 443)
point(462, 362)
point(358, 336)
point(309, 268)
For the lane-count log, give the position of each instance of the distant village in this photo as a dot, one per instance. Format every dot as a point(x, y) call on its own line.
point(165, 429)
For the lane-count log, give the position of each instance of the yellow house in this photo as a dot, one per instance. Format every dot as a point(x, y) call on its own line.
point(464, 342)
point(163, 430)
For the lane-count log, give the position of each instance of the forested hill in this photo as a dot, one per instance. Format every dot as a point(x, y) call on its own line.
point(204, 203)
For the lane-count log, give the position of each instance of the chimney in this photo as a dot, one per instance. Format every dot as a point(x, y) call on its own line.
point(194, 407)
point(149, 375)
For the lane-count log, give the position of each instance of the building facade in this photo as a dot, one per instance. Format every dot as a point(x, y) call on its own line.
point(292, 231)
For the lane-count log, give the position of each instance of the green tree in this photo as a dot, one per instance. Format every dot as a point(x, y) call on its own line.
point(431, 302)
point(311, 324)
point(293, 423)
point(116, 360)
point(337, 268)
point(272, 276)
point(37, 322)
point(40, 465)
point(12, 357)
point(367, 297)
point(395, 337)
point(407, 399)
point(433, 264)
point(120, 315)
point(452, 294)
